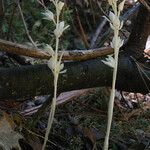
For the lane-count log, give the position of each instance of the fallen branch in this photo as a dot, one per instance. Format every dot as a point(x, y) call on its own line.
point(78, 55)
point(29, 81)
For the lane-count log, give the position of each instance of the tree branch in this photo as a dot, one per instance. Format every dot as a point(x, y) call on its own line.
point(79, 55)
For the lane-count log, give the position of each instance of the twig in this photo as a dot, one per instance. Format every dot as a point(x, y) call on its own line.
point(98, 32)
point(19, 49)
point(38, 135)
point(25, 26)
point(83, 36)
point(77, 55)
point(92, 10)
point(41, 2)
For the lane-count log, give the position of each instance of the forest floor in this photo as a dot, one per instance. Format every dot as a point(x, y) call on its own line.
point(81, 119)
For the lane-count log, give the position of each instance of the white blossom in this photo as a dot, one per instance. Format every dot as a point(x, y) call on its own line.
point(60, 29)
point(114, 20)
point(110, 2)
point(119, 42)
point(48, 15)
point(121, 5)
point(60, 5)
point(50, 50)
point(59, 67)
point(51, 64)
point(110, 61)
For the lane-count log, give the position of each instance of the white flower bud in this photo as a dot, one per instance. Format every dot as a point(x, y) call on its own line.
point(113, 42)
point(112, 16)
point(60, 5)
point(115, 20)
point(48, 15)
point(50, 50)
point(51, 64)
point(61, 66)
point(120, 42)
point(110, 2)
point(63, 71)
point(121, 5)
point(59, 30)
point(110, 61)
point(116, 23)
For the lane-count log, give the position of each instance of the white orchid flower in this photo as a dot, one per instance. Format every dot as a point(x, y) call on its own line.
point(121, 5)
point(51, 64)
point(110, 2)
point(119, 42)
point(49, 15)
point(60, 29)
point(110, 61)
point(50, 50)
point(114, 20)
point(59, 67)
point(60, 5)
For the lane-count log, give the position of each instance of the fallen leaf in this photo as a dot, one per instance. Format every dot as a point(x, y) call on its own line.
point(8, 137)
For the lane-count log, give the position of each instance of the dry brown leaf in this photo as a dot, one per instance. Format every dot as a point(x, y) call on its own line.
point(8, 137)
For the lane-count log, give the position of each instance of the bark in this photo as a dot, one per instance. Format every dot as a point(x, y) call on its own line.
point(35, 80)
point(77, 55)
